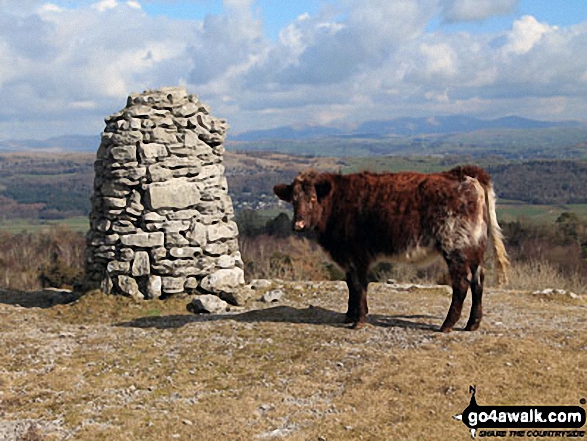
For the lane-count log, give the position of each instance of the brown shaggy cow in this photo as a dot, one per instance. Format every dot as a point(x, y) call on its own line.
point(361, 217)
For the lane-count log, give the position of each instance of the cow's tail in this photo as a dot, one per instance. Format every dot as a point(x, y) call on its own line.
point(496, 236)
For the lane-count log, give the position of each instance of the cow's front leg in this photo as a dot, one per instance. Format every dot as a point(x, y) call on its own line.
point(460, 285)
point(477, 293)
point(357, 308)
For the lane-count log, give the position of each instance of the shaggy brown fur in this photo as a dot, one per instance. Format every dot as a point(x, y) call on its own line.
point(360, 217)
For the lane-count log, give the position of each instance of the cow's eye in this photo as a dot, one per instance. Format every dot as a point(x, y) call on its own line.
point(313, 199)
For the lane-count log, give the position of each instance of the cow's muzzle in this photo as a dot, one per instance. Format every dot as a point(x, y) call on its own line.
point(299, 225)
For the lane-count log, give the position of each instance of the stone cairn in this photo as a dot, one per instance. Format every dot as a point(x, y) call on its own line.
point(162, 220)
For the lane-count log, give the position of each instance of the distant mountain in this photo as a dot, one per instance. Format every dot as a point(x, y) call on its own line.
point(71, 143)
point(290, 132)
point(371, 137)
point(402, 127)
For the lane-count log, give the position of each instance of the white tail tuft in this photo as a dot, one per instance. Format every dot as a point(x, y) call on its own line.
point(501, 255)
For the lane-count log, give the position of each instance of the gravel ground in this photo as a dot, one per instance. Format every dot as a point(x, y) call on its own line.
point(104, 367)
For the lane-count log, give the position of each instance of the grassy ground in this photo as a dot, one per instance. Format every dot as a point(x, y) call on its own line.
point(16, 226)
point(540, 214)
point(105, 368)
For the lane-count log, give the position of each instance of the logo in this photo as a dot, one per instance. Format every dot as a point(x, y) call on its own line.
point(545, 421)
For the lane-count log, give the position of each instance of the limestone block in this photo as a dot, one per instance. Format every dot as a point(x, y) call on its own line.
point(118, 267)
point(223, 280)
point(184, 252)
point(176, 226)
point(129, 286)
point(141, 265)
point(126, 138)
point(126, 153)
point(197, 234)
point(114, 202)
point(124, 227)
point(176, 240)
point(191, 284)
point(183, 215)
point(153, 216)
point(103, 225)
point(176, 193)
point(134, 123)
point(210, 171)
point(154, 287)
point(158, 253)
point(139, 111)
point(164, 136)
point(222, 231)
point(114, 189)
point(158, 173)
point(192, 141)
point(186, 111)
point(217, 249)
point(143, 240)
point(225, 261)
point(153, 150)
point(154, 226)
point(173, 285)
point(165, 122)
point(127, 254)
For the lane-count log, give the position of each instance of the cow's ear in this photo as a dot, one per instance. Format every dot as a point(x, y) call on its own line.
point(323, 188)
point(283, 192)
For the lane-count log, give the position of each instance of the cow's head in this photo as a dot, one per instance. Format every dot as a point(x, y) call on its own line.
point(307, 194)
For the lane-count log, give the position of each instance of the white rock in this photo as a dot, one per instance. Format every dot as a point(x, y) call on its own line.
point(207, 304)
point(273, 296)
point(223, 280)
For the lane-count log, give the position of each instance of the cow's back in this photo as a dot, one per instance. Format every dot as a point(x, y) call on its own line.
point(396, 213)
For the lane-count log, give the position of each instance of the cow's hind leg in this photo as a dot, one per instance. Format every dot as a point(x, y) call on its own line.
point(357, 308)
point(460, 285)
point(477, 278)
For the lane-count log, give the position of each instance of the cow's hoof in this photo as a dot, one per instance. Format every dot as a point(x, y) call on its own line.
point(358, 325)
point(472, 327)
point(445, 329)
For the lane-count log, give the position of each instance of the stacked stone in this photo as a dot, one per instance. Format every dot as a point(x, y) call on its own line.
point(162, 220)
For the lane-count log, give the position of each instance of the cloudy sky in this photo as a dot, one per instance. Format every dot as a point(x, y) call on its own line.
point(65, 65)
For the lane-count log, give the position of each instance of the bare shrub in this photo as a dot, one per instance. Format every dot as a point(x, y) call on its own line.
point(51, 258)
point(290, 258)
point(541, 274)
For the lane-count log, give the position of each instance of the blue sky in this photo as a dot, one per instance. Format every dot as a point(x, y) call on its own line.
point(65, 65)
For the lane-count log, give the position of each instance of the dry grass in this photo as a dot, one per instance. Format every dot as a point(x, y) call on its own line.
point(24, 257)
point(106, 368)
point(289, 258)
point(541, 274)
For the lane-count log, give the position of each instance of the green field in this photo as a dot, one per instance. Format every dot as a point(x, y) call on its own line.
point(509, 211)
point(16, 226)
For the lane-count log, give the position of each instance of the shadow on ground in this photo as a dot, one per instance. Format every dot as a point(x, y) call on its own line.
point(284, 314)
point(38, 299)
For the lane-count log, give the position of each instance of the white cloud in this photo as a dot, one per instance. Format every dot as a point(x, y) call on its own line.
point(67, 67)
point(475, 10)
point(440, 59)
point(104, 5)
point(526, 32)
